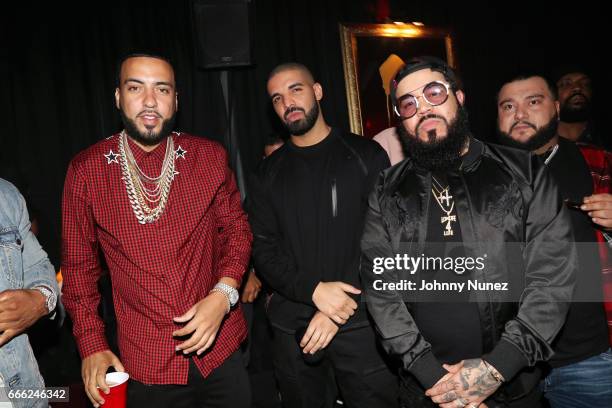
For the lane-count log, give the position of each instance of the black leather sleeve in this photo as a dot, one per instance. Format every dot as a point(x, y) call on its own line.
point(550, 267)
point(398, 332)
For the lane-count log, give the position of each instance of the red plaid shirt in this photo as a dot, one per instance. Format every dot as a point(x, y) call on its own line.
point(599, 162)
point(158, 270)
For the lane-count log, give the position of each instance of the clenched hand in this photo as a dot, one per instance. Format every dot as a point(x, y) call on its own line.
point(251, 288)
point(19, 309)
point(468, 383)
point(93, 371)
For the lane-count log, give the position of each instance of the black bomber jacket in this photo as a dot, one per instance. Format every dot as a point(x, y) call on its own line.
point(510, 209)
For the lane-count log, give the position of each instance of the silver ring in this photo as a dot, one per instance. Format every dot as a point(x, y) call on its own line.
point(459, 402)
point(473, 406)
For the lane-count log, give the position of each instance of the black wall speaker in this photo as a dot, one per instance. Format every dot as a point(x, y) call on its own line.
point(222, 33)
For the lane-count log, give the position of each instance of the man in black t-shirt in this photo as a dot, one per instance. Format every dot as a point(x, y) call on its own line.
point(581, 369)
point(306, 206)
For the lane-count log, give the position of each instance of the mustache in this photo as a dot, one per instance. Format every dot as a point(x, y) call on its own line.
point(430, 116)
point(150, 112)
point(291, 110)
point(522, 122)
point(578, 93)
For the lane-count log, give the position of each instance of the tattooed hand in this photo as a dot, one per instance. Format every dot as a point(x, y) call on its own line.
point(469, 386)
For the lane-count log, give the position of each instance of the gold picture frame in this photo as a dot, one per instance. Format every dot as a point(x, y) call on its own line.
point(366, 50)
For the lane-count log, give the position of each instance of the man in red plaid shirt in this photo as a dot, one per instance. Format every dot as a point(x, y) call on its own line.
point(163, 209)
point(600, 205)
point(575, 94)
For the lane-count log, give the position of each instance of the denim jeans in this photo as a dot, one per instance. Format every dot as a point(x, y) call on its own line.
point(587, 383)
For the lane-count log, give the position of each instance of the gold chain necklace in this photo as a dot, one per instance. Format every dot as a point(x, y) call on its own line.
point(441, 194)
point(141, 197)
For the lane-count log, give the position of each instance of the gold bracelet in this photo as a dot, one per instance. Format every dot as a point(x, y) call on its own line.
point(494, 373)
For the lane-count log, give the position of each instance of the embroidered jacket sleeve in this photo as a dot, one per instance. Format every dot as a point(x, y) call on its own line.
point(550, 270)
point(81, 265)
point(399, 333)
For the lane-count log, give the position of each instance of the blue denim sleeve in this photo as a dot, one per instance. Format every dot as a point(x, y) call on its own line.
point(37, 269)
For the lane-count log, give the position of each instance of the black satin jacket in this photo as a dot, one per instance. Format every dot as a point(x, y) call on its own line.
point(510, 209)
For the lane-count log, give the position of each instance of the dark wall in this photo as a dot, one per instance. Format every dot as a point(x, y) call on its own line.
point(58, 66)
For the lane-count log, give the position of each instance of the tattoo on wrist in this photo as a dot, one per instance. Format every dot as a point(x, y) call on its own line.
point(476, 377)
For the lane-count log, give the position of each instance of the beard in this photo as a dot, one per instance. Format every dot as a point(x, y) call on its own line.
point(148, 138)
point(575, 113)
point(542, 136)
point(437, 154)
point(301, 126)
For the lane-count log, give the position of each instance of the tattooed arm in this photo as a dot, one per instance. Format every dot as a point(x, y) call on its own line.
point(474, 382)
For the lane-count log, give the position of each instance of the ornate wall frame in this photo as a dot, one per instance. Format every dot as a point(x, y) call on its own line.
point(364, 48)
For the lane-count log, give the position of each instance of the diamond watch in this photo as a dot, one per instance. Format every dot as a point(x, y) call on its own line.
point(50, 297)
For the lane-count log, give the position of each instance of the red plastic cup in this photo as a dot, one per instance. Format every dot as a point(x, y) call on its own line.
point(117, 384)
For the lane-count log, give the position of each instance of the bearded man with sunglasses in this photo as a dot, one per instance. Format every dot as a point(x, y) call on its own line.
point(469, 326)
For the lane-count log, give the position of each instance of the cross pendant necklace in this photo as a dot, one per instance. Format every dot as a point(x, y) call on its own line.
point(444, 200)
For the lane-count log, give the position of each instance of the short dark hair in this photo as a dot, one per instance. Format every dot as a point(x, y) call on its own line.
point(139, 55)
point(563, 69)
point(425, 62)
point(521, 76)
point(288, 66)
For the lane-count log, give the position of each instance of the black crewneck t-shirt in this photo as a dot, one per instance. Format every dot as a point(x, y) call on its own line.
point(446, 319)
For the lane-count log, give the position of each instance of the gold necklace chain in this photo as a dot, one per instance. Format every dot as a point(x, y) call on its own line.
point(452, 205)
point(439, 185)
point(440, 194)
point(135, 179)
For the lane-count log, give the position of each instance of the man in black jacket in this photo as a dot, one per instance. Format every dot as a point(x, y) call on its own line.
point(467, 258)
point(306, 207)
point(581, 369)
